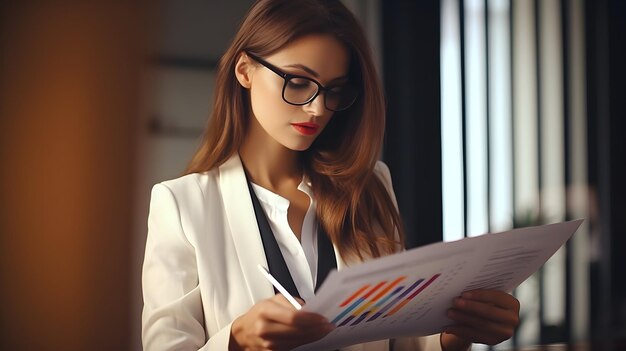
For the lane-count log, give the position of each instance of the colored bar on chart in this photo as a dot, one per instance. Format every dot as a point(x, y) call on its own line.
point(362, 308)
point(399, 307)
point(378, 304)
point(346, 321)
point(357, 303)
point(365, 309)
point(396, 300)
point(361, 318)
point(347, 310)
point(425, 285)
point(383, 301)
point(389, 287)
point(357, 293)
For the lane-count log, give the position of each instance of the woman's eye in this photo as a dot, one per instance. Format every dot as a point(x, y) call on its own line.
point(298, 83)
point(336, 91)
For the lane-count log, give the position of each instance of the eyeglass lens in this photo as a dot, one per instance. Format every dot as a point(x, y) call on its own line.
point(300, 90)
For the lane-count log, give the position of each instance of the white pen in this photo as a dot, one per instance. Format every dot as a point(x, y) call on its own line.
point(279, 287)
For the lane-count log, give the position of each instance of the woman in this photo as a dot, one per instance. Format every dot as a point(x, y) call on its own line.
point(286, 177)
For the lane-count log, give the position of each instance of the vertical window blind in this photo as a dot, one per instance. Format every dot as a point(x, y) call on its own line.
point(513, 141)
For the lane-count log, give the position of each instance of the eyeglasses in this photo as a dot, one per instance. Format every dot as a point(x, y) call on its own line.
point(300, 90)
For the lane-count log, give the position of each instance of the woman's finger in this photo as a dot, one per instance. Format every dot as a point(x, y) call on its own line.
point(477, 323)
point(271, 330)
point(287, 344)
point(289, 341)
point(264, 334)
point(495, 297)
point(280, 313)
point(487, 311)
point(277, 336)
point(280, 298)
point(302, 318)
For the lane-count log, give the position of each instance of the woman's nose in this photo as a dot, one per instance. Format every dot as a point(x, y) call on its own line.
point(316, 107)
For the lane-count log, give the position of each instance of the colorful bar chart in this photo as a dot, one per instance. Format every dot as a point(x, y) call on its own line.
point(356, 303)
point(396, 300)
point(412, 296)
point(379, 300)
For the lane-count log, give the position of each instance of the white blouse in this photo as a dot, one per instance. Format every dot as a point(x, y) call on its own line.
point(300, 257)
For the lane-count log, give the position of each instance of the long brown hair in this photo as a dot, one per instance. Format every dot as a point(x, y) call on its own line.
point(353, 205)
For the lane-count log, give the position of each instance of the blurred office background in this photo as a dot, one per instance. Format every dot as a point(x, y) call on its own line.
point(501, 113)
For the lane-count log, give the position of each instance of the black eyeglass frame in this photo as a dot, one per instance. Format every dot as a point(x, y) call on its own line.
point(288, 76)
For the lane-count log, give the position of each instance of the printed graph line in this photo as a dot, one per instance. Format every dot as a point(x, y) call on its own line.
point(403, 303)
point(357, 293)
point(369, 303)
point(389, 287)
point(361, 318)
point(357, 302)
point(381, 300)
point(346, 321)
point(365, 310)
point(396, 300)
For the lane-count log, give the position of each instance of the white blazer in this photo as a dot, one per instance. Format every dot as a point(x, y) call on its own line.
point(200, 266)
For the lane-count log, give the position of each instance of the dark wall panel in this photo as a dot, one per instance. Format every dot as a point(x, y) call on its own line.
point(411, 63)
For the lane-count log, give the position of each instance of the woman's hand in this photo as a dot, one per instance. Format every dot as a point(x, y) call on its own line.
point(483, 316)
point(274, 324)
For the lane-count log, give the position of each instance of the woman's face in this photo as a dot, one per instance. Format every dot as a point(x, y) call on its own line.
point(319, 57)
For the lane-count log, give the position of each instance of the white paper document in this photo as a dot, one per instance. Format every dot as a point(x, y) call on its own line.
point(408, 294)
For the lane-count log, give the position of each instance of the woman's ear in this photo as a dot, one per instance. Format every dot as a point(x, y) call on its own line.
point(243, 70)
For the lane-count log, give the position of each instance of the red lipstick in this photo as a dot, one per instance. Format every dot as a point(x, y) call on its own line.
point(306, 128)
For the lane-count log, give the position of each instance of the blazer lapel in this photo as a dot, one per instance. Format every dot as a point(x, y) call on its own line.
point(275, 260)
point(244, 228)
point(326, 256)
